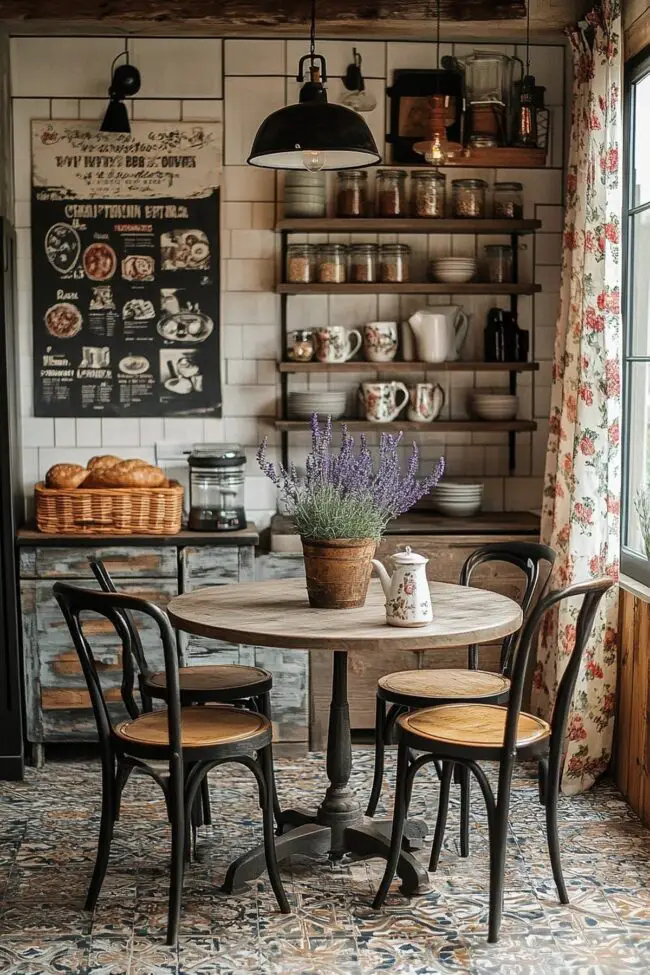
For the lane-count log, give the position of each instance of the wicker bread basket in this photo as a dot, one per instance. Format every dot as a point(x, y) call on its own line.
point(109, 511)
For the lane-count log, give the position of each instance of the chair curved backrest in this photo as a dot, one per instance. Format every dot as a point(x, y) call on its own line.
point(526, 556)
point(592, 592)
point(113, 606)
point(104, 579)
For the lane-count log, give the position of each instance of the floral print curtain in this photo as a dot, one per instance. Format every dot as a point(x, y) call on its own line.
point(580, 511)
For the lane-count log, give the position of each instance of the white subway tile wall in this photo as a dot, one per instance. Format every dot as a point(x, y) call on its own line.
point(239, 82)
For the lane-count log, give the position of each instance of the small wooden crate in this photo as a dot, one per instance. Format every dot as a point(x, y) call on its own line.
point(110, 511)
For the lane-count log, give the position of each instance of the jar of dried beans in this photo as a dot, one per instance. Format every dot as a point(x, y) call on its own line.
point(301, 263)
point(469, 197)
point(390, 193)
point(394, 263)
point(508, 201)
point(363, 263)
point(352, 193)
point(428, 194)
point(332, 263)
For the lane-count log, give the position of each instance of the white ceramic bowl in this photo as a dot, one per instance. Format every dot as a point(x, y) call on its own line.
point(457, 510)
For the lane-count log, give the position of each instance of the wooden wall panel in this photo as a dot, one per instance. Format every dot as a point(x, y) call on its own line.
point(632, 741)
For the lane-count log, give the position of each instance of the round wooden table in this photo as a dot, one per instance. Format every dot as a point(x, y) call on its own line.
point(277, 614)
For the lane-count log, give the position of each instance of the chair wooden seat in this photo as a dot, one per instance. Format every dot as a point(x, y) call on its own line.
point(445, 684)
point(473, 725)
point(220, 677)
point(204, 726)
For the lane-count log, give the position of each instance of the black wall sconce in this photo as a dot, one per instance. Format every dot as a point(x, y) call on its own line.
point(125, 83)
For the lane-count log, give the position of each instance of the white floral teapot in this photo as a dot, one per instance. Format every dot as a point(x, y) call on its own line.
point(408, 601)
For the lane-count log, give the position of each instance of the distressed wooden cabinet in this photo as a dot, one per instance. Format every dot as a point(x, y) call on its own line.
point(57, 703)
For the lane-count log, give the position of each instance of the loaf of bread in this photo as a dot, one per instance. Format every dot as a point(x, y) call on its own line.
point(65, 476)
point(102, 461)
point(130, 474)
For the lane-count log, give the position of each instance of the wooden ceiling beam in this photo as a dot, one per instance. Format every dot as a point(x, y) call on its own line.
point(375, 18)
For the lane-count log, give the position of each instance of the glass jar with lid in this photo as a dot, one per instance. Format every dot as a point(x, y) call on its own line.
point(428, 193)
point(394, 263)
point(302, 262)
point(352, 193)
point(390, 196)
point(217, 487)
point(363, 263)
point(468, 197)
point(332, 263)
point(508, 201)
point(499, 263)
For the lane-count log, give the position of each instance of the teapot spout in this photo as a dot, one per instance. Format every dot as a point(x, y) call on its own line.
point(384, 578)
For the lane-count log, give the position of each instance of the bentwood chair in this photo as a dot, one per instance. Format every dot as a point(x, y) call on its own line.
point(467, 734)
point(236, 684)
point(192, 740)
point(399, 693)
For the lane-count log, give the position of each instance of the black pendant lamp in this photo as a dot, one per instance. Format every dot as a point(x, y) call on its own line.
point(313, 134)
point(125, 82)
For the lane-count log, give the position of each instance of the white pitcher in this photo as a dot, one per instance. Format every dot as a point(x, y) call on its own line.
point(440, 332)
point(408, 600)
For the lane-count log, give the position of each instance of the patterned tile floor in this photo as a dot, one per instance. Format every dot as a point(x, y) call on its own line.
point(48, 829)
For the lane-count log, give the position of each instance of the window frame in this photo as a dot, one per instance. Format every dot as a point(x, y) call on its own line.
point(632, 563)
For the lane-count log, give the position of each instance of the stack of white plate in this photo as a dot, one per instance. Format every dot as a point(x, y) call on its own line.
point(453, 270)
point(457, 500)
point(302, 405)
point(493, 405)
point(305, 194)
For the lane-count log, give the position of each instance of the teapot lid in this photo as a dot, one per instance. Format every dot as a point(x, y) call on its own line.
point(408, 557)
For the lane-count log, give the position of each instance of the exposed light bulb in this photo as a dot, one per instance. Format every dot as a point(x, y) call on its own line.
point(435, 153)
point(359, 101)
point(313, 160)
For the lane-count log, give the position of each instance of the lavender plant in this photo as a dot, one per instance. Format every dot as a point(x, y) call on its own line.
point(342, 495)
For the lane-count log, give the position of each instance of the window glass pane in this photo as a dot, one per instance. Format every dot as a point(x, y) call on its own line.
point(637, 436)
point(641, 173)
point(639, 297)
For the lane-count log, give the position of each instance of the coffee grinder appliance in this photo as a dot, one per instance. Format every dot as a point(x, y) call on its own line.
point(217, 488)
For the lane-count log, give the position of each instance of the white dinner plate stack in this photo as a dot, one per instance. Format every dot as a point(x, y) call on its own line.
point(457, 500)
point(453, 270)
point(302, 405)
point(305, 194)
point(493, 405)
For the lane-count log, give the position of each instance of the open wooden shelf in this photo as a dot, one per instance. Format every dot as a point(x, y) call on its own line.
point(404, 225)
point(437, 426)
point(422, 288)
point(354, 366)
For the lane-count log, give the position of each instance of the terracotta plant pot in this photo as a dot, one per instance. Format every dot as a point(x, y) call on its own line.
point(338, 571)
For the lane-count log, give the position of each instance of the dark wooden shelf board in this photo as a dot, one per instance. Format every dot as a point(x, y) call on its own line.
point(396, 366)
point(474, 288)
point(405, 225)
point(438, 426)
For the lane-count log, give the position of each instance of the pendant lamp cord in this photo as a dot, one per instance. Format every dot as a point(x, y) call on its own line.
point(527, 36)
point(312, 33)
point(437, 33)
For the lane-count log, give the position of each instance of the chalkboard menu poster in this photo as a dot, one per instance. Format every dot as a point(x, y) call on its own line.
point(125, 270)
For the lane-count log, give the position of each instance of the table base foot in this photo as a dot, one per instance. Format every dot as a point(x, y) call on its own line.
point(307, 840)
point(291, 819)
point(415, 832)
point(366, 842)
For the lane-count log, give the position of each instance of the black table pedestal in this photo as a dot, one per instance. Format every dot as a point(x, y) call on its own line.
point(337, 827)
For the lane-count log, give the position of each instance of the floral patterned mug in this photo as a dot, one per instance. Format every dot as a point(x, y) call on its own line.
point(380, 400)
point(380, 341)
point(335, 343)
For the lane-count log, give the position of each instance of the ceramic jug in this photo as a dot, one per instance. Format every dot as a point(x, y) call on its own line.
point(426, 402)
point(408, 600)
point(440, 332)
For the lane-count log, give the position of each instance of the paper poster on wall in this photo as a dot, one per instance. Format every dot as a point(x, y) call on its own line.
point(125, 269)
